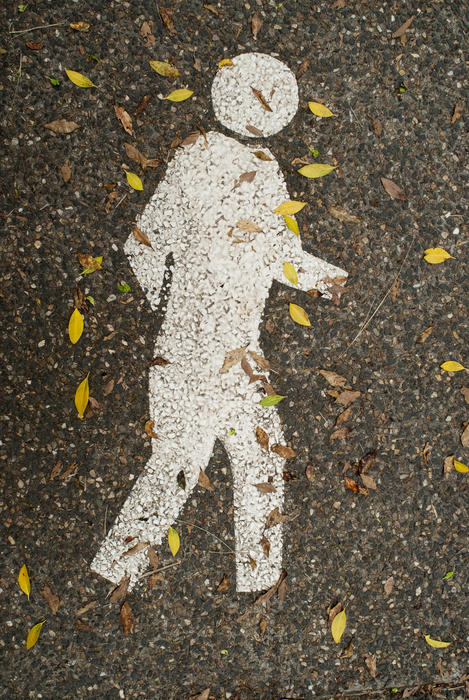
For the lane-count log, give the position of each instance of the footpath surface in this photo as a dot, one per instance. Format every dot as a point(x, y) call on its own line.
point(375, 514)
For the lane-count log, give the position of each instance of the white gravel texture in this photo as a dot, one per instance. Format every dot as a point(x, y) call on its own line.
point(235, 103)
point(221, 279)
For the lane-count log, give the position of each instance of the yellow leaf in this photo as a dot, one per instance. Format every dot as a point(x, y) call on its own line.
point(134, 180)
point(299, 315)
point(338, 626)
point(179, 95)
point(434, 256)
point(173, 541)
point(33, 635)
point(452, 366)
point(75, 326)
point(460, 467)
point(292, 225)
point(319, 110)
point(165, 69)
point(290, 207)
point(225, 62)
point(80, 26)
point(316, 170)
point(23, 580)
point(79, 79)
point(290, 273)
point(81, 397)
point(436, 643)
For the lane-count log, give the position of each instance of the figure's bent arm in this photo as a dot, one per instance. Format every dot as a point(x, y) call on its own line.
point(312, 272)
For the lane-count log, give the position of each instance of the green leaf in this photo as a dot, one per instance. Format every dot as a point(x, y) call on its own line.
point(22, 8)
point(93, 58)
point(448, 575)
point(224, 652)
point(123, 287)
point(54, 81)
point(90, 299)
point(316, 170)
point(313, 151)
point(271, 400)
point(232, 432)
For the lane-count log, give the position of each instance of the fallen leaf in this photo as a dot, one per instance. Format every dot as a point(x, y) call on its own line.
point(90, 263)
point(254, 130)
point(265, 597)
point(82, 397)
point(376, 125)
point(181, 479)
point(465, 393)
point(460, 467)
point(320, 110)
point(274, 518)
point(149, 425)
point(262, 626)
point(134, 181)
point(56, 469)
point(143, 104)
point(52, 600)
point(265, 487)
point(126, 618)
point(65, 171)
point(256, 24)
point(402, 30)
point(338, 626)
point(248, 226)
point(351, 484)
point(225, 62)
point(24, 581)
point(265, 546)
point(271, 400)
point(165, 69)
point(316, 170)
point(290, 273)
point(135, 549)
point(148, 38)
point(392, 189)
point(365, 462)
point(283, 451)
point(70, 471)
point(173, 541)
point(258, 94)
point(80, 26)
point(423, 336)
point(204, 481)
point(282, 589)
point(302, 69)
point(448, 464)
point(389, 585)
point(434, 256)
point(223, 585)
point(82, 626)
point(348, 651)
point(232, 358)
point(86, 608)
point(34, 45)
point(299, 315)
point(261, 155)
point(246, 177)
point(310, 473)
point(292, 225)
point(167, 19)
point(290, 207)
point(260, 361)
point(179, 95)
point(79, 79)
point(133, 153)
point(369, 482)
point(75, 326)
point(340, 434)
point(152, 558)
point(140, 236)
point(204, 695)
point(33, 635)
point(370, 661)
point(341, 214)
point(333, 378)
point(452, 366)
point(343, 417)
point(436, 642)
point(124, 118)
point(465, 436)
point(62, 126)
point(347, 397)
point(111, 198)
point(119, 593)
point(262, 438)
point(457, 113)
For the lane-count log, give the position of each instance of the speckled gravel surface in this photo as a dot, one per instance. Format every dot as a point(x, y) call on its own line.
point(64, 480)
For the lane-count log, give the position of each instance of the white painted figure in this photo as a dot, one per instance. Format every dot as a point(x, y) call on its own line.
point(221, 278)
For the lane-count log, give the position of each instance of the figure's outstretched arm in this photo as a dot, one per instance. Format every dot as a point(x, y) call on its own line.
point(148, 267)
point(312, 272)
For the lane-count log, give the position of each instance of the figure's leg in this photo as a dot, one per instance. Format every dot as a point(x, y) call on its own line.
point(258, 549)
point(184, 443)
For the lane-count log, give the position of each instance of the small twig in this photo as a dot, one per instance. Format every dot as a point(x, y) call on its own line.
point(370, 318)
point(120, 201)
point(157, 571)
point(32, 29)
point(19, 76)
point(208, 533)
point(105, 521)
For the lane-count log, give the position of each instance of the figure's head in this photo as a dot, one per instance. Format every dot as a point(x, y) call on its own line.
point(257, 91)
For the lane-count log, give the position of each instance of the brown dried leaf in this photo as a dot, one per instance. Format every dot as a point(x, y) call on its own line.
point(465, 393)
point(246, 177)
point(256, 24)
point(135, 549)
point(70, 471)
point(376, 125)
point(152, 558)
point(232, 358)
point(246, 367)
point(457, 113)
point(265, 597)
point(344, 416)
point(149, 429)
point(154, 579)
point(283, 451)
point(262, 626)
point(261, 155)
point(347, 397)
point(253, 562)
point(204, 481)
point(86, 608)
point(258, 94)
point(143, 104)
point(425, 453)
point(265, 546)
point(254, 130)
point(213, 9)
point(365, 462)
point(302, 69)
point(342, 215)
point(351, 484)
point(274, 518)
point(140, 236)
point(148, 38)
point(34, 45)
point(204, 695)
point(53, 600)
point(310, 473)
point(248, 226)
point(448, 464)
point(389, 585)
point(314, 293)
point(79, 625)
point(167, 19)
point(197, 64)
point(369, 482)
point(124, 118)
point(224, 584)
point(262, 438)
point(109, 387)
point(282, 589)
point(401, 32)
point(56, 469)
point(120, 591)
point(333, 378)
point(340, 434)
point(332, 612)
point(111, 198)
point(465, 436)
point(159, 361)
point(65, 171)
point(370, 661)
point(265, 487)
point(260, 361)
point(392, 189)
point(126, 618)
point(62, 126)
point(423, 336)
point(301, 161)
